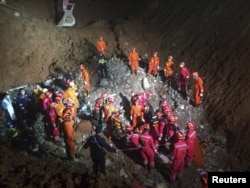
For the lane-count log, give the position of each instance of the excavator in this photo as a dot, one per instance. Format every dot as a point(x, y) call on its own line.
point(68, 19)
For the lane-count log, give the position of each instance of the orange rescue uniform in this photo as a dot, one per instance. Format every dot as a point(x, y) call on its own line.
point(137, 114)
point(134, 61)
point(198, 89)
point(101, 46)
point(70, 94)
point(68, 134)
point(168, 70)
point(154, 64)
point(109, 110)
point(85, 76)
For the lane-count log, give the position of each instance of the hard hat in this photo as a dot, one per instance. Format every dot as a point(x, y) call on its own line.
point(57, 99)
point(22, 92)
point(48, 93)
point(182, 64)
point(180, 135)
point(111, 100)
point(167, 109)
point(159, 114)
point(82, 66)
point(195, 74)
point(172, 118)
point(164, 102)
point(170, 57)
point(68, 81)
point(191, 125)
point(66, 117)
point(52, 105)
point(133, 92)
point(146, 126)
point(71, 84)
point(136, 130)
point(45, 90)
point(104, 95)
point(70, 105)
point(150, 94)
point(60, 95)
point(128, 127)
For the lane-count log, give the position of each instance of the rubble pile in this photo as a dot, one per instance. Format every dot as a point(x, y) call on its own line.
point(119, 84)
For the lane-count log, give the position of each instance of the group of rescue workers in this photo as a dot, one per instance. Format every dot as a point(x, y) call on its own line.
point(148, 130)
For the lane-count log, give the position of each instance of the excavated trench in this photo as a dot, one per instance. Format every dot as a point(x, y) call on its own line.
point(210, 36)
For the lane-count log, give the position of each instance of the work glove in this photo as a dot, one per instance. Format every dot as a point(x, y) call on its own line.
point(130, 117)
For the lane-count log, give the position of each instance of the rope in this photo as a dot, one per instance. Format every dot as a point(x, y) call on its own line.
point(119, 150)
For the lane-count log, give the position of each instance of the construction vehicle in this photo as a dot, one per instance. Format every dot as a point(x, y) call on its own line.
point(68, 19)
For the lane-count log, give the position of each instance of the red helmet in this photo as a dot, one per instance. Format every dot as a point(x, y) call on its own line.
point(146, 126)
point(167, 109)
point(59, 95)
point(182, 64)
point(70, 105)
point(57, 99)
point(48, 93)
point(150, 94)
point(66, 117)
point(191, 125)
point(180, 135)
point(136, 130)
point(128, 127)
point(195, 74)
point(82, 66)
point(159, 114)
point(164, 102)
point(104, 95)
point(52, 105)
point(68, 81)
point(172, 118)
point(111, 100)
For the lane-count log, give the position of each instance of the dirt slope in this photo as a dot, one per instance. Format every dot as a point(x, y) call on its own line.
point(210, 36)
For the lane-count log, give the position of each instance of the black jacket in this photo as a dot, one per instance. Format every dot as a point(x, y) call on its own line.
point(97, 145)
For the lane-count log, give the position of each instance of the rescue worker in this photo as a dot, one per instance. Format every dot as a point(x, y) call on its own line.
point(39, 132)
point(178, 154)
point(190, 140)
point(96, 114)
point(101, 46)
point(71, 93)
point(169, 70)
point(147, 147)
point(134, 59)
point(136, 114)
point(59, 109)
point(154, 65)
point(172, 130)
point(85, 76)
point(183, 77)
point(102, 65)
point(128, 134)
point(109, 112)
point(53, 122)
point(198, 88)
point(98, 145)
point(134, 138)
point(10, 115)
point(40, 97)
point(68, 135)
point(23, 102)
